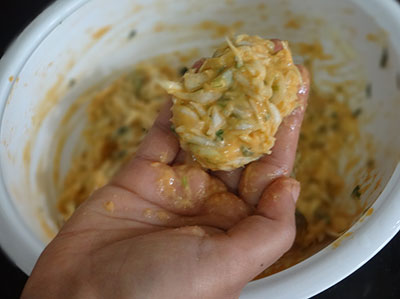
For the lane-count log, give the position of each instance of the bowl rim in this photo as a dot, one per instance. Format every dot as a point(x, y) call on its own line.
point(375, 232)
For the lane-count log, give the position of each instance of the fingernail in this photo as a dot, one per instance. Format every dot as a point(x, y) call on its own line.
point(293, 186)
point(295, 190)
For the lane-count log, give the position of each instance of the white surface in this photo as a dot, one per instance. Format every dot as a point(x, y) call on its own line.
point(59, 43)
point(17, 238)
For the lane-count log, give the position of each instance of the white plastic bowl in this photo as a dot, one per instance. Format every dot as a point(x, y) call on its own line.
point(86, 41)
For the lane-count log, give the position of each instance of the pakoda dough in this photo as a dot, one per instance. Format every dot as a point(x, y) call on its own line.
point(227, 111)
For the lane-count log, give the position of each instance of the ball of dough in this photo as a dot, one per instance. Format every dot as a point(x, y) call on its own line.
point(227, 111)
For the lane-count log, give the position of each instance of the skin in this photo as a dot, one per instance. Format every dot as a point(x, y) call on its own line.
point(204, 238)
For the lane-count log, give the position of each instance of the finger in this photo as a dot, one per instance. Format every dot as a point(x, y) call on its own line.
point(288, 133)
point(224, 209)
point(258, 241)
point(184, 157)
point(304, 90)
point(278, 45)
point(259, 174)
point(108, 209)
point(160, 144)
point(220, 211)
point(184, 190)
point(280, 199)
point(179, 189)
point(181, 157)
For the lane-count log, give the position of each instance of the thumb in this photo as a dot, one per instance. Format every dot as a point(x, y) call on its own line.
point(258, 241)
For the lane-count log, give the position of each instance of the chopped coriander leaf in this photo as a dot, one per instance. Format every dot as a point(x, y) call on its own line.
point(173, 128)
point(220, 134)
point(321, 215)
point(223, 102)
point(246, 151)
point(356, 194)
point(132, 34)
point(357, 112)
point(368, 90)
point(220, 70)
point(122, 130)
point(185, 181)
point(222, 81)
point(121, 154)
point(71, 83)
point(217, 83)
point(236, 114)
point(371, 163)
point(384, 58)
point(138, 78)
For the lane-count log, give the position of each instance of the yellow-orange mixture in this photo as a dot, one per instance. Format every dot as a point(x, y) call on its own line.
point(227, 111)
point(119, 116)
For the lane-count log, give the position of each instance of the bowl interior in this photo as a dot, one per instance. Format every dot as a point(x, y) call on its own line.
point(100, 40)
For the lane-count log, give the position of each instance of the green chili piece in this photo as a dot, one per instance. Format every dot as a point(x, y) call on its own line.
point(220, 134)
point(356, 194)
point(246, 151)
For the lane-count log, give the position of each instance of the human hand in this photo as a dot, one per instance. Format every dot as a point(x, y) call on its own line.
point(165, 230)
